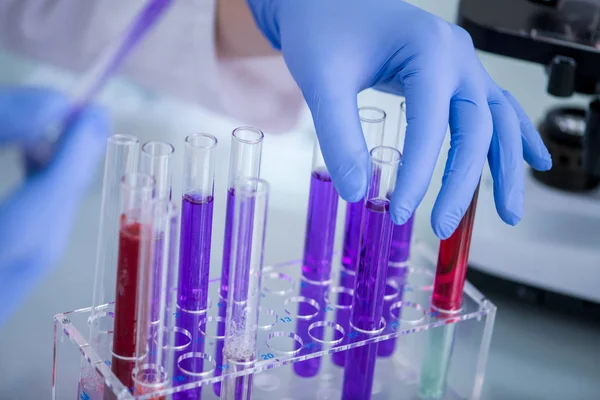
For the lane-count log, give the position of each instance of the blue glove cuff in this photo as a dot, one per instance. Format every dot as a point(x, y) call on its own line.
point(264, 12)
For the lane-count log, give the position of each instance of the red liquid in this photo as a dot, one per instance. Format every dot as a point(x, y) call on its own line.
point(452, 263)
point(124, 337)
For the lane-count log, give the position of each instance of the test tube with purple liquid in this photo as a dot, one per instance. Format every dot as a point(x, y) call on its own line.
point(244, 286)
point(156, 310)
point(318, 251)
point(244, 163)
point(195, 245)
point(399, 252)
point(372, 121)
point(371, 273)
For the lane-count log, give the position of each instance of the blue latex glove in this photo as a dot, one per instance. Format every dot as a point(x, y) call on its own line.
point(36, 218)
point(335, 49)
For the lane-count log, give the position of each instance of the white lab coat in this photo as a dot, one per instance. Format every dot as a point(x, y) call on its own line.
point(178, 57)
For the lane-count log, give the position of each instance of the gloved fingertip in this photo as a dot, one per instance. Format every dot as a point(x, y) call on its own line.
point(443, 229)
point(400, 215)
point(352, 185)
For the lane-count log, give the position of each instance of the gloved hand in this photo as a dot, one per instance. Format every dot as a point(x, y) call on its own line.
point(36, 218)
point(335, 49)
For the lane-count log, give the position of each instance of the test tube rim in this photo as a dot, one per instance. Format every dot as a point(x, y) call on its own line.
point(190, 138)
point(259, 138)
point(169, 149)
point(123, 139)
point(392, 151)
point(372, 120)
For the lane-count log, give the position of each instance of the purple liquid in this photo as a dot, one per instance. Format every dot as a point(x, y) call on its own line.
point(399, 275)
point(310, 367)
point(352, 235)
point(367, 307)
point(320, 228)
point(189, 322)
point(401, 239)
point(194, 254)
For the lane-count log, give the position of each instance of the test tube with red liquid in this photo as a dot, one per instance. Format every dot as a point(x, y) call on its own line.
point(244, 163)
point(121, 159)
point(136, 194)
point(318, 252)
point(369, 289)
point(446, 301)
point(244, 287)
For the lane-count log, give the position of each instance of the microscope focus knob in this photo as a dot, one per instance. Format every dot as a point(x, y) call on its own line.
point(561, 79)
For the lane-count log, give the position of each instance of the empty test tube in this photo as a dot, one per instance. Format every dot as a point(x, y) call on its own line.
point(318, 248)
point(372, 121)
point(371, 273)
point(155, 352)
point(446, 300)
point(244, 163)
point(399, 252)
point(247, 239)
point(137, 191)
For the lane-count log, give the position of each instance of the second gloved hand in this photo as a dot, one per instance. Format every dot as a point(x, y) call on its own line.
point(36, 218)
point(335, 49)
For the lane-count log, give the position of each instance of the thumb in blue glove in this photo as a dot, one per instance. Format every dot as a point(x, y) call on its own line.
point(36, 218)
point(336, 50)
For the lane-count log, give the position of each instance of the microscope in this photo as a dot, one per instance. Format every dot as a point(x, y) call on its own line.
point(556, 247)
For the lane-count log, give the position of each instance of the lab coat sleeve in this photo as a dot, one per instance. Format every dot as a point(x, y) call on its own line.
point(178, 57)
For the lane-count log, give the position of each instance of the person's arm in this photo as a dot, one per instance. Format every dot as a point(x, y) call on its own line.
point(237, 35)
point(181, 56)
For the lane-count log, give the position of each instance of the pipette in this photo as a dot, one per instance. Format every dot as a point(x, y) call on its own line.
point(109, 61)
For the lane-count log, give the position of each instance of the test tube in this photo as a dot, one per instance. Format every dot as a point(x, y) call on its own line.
point(372, 121)
point(155, 160)
point(196, 223)
point(320, 223)
point(155, 352)
point(399, 252)
point(245, 157)
point(137, 190)
point(370, 283)
point(121, 159)
point(247, 239)
point(318, 251)
point(446, 300)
